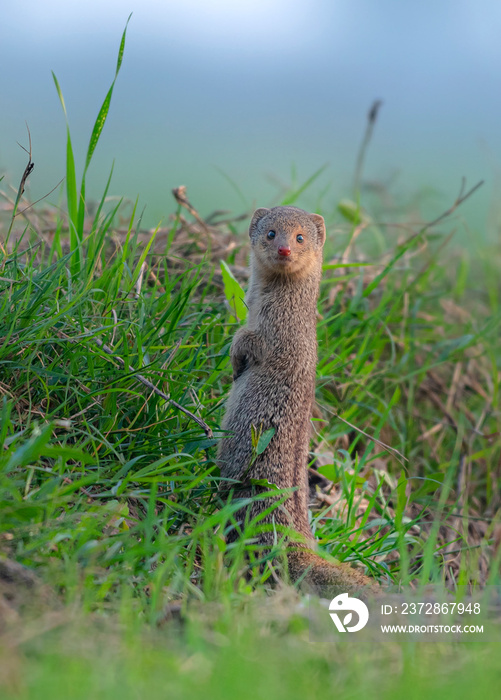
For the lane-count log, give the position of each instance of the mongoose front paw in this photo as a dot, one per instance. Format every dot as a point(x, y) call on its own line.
point(240, 364)
point(247, 350)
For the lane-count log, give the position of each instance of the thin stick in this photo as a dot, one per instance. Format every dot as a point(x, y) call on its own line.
point(370, 437)
point(181, 198)
point(371, 120)
point(28, 168)
point(459, 200)
point(156, 390)
point(32, 204)
point(345, 260)
point(147, 383)
point(27, 172)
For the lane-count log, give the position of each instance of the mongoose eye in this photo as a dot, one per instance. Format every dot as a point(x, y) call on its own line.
point(271, 234)
point(299, 238)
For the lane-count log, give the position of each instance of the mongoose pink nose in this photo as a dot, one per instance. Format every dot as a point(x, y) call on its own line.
point(284, 250)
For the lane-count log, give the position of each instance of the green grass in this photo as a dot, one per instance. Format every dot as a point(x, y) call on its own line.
point(108, 488)
point(261, 650)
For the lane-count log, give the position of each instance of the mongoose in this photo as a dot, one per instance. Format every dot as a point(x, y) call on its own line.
point(274, 360)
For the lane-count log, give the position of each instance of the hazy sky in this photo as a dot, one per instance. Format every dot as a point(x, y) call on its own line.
point(251, 87)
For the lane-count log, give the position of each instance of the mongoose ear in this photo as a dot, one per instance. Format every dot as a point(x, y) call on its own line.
point(258, 214)
point(320, 224)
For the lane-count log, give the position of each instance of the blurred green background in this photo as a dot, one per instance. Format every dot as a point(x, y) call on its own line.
point(229, 98)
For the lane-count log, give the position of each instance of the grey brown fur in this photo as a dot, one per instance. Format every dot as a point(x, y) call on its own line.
point(274, 365)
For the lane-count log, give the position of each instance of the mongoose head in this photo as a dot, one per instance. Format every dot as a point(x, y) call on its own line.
point(287, 240)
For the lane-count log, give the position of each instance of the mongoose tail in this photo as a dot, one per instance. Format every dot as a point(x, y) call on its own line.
point(323, 578)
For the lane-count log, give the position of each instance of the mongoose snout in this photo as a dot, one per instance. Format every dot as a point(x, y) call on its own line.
point(284, 250)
